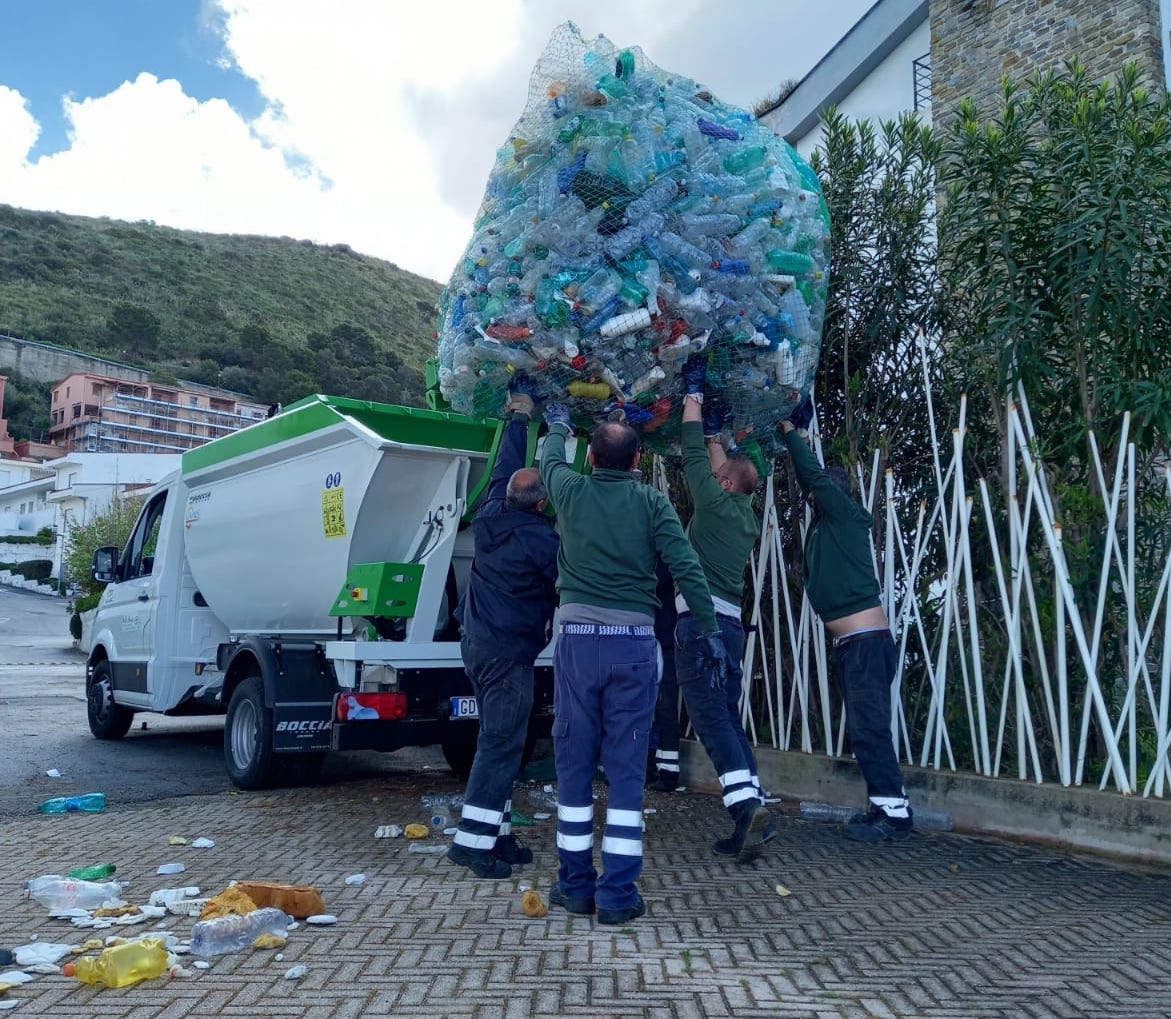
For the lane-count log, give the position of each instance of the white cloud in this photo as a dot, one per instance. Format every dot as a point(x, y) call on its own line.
point(382, 120)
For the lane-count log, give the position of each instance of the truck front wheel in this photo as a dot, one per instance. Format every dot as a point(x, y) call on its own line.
point(248, 749)
point(107, 720)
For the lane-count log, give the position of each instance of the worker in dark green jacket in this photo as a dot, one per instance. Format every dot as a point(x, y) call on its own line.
point(723, 531)
point(842, 587)
point(606, 664)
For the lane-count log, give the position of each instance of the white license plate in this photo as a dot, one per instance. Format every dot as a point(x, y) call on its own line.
point(464, 707)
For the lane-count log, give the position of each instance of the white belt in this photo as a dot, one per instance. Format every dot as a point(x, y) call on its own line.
point(722, 607)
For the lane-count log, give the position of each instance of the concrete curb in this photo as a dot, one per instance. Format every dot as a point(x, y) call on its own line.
point(1127, 827)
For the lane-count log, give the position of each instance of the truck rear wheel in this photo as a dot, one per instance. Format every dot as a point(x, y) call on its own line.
point(248, 749)
point(107, 720)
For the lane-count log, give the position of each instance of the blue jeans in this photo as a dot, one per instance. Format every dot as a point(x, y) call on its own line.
point(605, 679)
point(867, 664)
point(504, 695)
point(715, 711)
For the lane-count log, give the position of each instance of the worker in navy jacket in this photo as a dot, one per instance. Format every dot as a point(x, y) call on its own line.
point(507, 617)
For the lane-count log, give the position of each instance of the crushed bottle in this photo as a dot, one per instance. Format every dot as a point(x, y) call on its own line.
point(125, 965)
point(235, 933)
point(90, 803)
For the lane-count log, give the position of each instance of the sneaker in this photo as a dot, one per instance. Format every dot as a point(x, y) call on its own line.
point(616, 917)
point(878, 826)
point(582, 907)
point(726, 847)
point(667, 782)
point(509, 849)
point(480, 862)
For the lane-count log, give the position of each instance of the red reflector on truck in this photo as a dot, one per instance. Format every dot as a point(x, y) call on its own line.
point(353, 707)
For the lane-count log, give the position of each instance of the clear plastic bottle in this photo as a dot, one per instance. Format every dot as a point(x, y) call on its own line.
point(235, 933)
point(91, 803)
point(124, 965)
point(831, 812)
point(56, 892)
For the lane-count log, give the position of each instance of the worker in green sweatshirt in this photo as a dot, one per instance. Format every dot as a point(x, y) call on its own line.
point(723, 531)
point(843, 590)
point(606, 663)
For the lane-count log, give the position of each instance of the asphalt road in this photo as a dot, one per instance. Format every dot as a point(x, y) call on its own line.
point(42, 696)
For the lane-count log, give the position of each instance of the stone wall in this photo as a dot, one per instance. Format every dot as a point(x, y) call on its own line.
point(43, 362)
point(975, 42)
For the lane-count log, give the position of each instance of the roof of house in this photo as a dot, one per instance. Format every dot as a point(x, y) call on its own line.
point(866, 45)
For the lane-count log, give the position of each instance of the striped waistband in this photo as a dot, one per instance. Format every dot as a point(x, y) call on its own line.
point(606, 630)
point(850, 638)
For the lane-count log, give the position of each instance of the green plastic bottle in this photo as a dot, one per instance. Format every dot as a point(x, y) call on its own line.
point(98, 873)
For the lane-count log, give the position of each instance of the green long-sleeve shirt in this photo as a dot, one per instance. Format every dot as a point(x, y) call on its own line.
point(839, 571)
point(723, 528)
point(612, 529)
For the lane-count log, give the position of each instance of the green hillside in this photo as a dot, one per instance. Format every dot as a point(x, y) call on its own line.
point(272, 317)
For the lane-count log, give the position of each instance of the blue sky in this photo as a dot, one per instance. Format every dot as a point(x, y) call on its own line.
point(365, 122)
point(84, 48)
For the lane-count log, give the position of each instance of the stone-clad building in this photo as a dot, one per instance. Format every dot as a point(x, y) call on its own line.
point(976, 42)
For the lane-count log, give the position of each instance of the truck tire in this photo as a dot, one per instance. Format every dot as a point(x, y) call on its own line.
point(248, 751)
point(107, 720)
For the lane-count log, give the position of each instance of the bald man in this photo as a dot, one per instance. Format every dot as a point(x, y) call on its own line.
point(507, 617)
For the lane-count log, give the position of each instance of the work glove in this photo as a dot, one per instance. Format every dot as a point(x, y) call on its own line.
point(802, 415)
point(520, 403)
point(714, 661)
point(523, 384)
point(557, 414)
point(716, 415)
point(694, 374)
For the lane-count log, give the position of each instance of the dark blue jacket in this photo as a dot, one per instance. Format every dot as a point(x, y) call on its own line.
point(512, 592)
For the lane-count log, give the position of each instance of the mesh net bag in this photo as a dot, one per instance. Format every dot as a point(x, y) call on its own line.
point(631, 221)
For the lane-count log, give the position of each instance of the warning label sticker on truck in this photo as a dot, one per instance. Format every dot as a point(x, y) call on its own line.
point(333, 512)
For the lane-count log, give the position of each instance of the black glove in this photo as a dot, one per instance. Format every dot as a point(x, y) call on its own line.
point(716, 414)
point(802, 415)
point(713, 659)
point(694, 374)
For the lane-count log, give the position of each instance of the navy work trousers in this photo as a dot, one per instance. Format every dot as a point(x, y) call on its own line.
point(715, 711)
point(867, 664)
point(504, 695)
point(605, 680)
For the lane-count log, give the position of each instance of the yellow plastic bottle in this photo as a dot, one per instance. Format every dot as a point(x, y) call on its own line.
point(124, 965)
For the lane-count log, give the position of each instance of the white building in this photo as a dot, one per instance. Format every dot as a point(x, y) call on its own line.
point(68, 492)
point(880, 68)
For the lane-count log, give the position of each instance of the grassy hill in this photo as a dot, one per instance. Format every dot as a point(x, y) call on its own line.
point(272, 317)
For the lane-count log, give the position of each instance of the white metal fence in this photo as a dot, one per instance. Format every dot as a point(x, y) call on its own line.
point(1051, 702)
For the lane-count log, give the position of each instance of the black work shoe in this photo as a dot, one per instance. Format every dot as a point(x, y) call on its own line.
point(760, 828)
point(726, 847)
point(583, 907)
point(878, 826)
point(621, 916)
point(509, 849)
point(480, 862)
point(667, 782)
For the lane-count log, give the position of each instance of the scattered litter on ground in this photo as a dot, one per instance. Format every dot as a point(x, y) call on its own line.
point(295, 973)
point(53, 773)
point(388, 831)
point(171, 868)
point(542, 817)
point(40, 951)
point(783, 892)
point(203, 843)
point(531, 904)
point(294, 900)
point(416, 831)
point(201, 964)
point(356, 879)
point(176, 840)
point(431, 849)
point(322, 920)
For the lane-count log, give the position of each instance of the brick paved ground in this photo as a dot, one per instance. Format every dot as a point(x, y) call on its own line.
point(942, 927)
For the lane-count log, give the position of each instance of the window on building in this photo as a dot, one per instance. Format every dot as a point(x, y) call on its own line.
point(193, 401)
point(921, 76)
point(77, 410)
point(67, 391)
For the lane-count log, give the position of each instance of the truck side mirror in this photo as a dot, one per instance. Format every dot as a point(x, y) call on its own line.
point(105, 563)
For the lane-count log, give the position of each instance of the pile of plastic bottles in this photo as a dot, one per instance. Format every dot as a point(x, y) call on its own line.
point(632, 220)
